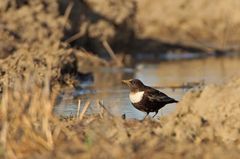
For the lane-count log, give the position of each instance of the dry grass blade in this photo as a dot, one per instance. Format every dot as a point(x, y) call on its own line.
point(68, 12)
point(78, 109)
point(3, 117)
point(84, 110)
point(74, 37)
point(111, 53)
point(28, 108)
point(104, 108)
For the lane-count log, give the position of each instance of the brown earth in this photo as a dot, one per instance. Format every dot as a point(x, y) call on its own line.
point(205, 125)
point(30, 42)
point(35, 51)
point(40, 28)
point(208, 115)
point(204, 24)
point(156, 26)
point(129, 26)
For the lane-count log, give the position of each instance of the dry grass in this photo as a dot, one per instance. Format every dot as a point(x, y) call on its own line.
point(26, 120)
point(29, 129)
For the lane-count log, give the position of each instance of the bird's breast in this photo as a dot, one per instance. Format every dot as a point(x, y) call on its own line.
point(136, 97)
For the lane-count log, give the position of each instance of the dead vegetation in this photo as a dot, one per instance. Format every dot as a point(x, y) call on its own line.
point(35, 59)
point(29, 128)
point(31, 42)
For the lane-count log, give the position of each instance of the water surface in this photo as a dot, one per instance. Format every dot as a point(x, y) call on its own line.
point(114, 95)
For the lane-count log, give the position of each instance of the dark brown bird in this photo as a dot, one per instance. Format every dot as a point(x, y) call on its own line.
point(145, 98)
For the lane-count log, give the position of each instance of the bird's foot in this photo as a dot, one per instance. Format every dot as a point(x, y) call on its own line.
point(155, 114)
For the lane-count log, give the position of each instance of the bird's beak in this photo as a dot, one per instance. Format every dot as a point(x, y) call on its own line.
point(126, 82)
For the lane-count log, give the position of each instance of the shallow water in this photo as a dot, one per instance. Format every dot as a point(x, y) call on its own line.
point(108, 88)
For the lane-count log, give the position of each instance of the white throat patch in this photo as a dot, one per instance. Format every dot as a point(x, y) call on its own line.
point(136, 96)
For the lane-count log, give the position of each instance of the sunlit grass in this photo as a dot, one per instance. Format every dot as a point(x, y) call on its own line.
point(30, 129)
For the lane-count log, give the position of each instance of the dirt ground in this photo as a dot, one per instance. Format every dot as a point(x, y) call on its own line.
point(47, 44)
point(31, 43)
point(205, 125)
point(205, 24)
point(38, 31)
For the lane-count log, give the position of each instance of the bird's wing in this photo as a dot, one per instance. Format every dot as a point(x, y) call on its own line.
point(156, 96)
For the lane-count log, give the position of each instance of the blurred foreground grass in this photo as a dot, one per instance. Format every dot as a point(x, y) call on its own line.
point(29, 129)
point(31, 44)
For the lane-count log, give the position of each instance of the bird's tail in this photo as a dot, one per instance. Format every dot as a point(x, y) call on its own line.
point(174, 101)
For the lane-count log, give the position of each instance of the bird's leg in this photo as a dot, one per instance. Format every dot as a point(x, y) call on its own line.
point(155, 114)
point(146, 115)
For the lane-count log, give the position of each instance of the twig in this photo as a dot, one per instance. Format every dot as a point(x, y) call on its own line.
point(74, 37)
point(67, 13)
point(181, 86)
point(101, 104)
point(111, 53)
point(101, 111)
point(78, 109)
point(91, 57)
point(84, 110)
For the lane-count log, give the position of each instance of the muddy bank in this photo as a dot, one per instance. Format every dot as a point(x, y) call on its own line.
point(42, 35)
point(208, 115)
point(204, 24)
point(156, 26)
point(205, 125)
point(114, 22)
point(128, 26)
point(39, 35)
point(31, 46)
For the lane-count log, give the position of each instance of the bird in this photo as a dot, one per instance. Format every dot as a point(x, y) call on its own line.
point(145, 98)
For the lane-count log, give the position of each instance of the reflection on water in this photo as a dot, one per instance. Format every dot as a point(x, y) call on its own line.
point(108, 87)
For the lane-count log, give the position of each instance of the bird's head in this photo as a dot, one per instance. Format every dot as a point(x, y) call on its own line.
point(134, 84)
